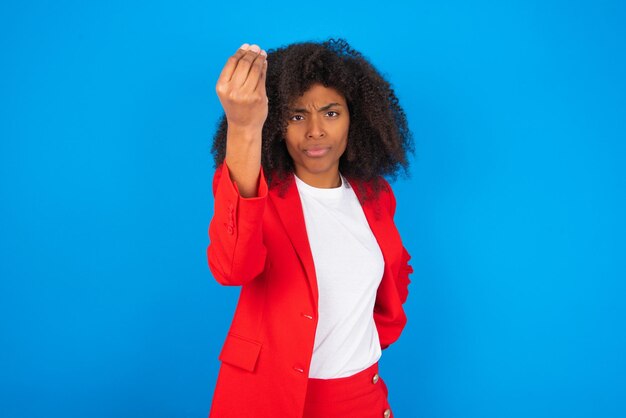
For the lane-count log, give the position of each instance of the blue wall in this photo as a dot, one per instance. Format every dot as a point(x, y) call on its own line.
point(514, 213)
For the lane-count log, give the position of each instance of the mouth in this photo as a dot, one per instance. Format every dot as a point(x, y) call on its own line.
point(316, 152)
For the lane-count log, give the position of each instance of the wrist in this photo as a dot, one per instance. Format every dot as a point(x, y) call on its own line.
point(244, 131)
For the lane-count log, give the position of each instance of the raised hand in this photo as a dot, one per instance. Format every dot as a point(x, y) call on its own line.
point(241, 88)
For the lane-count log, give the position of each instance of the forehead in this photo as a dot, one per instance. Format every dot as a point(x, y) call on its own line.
point(318, 93)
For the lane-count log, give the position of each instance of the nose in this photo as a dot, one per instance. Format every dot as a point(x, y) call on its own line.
point(315, 128)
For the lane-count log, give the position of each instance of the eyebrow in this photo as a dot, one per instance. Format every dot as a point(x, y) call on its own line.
point(328, 106)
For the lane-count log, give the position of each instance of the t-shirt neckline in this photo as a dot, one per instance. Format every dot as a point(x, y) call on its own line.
point(322, 192)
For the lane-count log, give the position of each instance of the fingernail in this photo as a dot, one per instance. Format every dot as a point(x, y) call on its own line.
point(244, 47)
point(263, 53)
point(255, 48)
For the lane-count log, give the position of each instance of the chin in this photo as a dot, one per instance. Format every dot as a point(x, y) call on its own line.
point(322, 167)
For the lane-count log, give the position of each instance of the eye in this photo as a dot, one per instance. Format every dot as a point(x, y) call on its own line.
point(295, 116)
point(332, 111)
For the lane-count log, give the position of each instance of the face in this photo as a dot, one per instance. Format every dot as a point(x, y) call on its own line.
point(317, 135)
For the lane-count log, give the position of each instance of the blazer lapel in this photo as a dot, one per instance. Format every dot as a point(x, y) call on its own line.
point(381, 226)
point(289, 208)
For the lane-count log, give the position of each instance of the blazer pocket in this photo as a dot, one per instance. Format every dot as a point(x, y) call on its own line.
point(240, 351)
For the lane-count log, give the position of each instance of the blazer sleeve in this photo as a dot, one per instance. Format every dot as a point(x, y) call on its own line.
point(402, 281)
point(236, 253)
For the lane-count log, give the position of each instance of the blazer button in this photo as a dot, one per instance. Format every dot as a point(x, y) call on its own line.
point(387, 413)
point(299, 369)
point(375, 378)
point(307, 316)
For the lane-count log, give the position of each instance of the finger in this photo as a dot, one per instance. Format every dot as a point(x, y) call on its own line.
point(260, 86)
point(231, 64)
point(255, 73)
point(243, 68)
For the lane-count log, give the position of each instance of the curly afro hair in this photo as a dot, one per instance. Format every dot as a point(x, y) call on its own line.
point(378, 135)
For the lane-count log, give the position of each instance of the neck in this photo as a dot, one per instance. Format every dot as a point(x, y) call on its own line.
point(322, 182)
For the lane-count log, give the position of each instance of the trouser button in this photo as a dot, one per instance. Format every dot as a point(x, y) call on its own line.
point(375, 378)
point(387, 413)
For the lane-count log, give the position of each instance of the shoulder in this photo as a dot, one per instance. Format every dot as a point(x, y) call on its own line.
point(376, 192)
point(386, 196)
point(389, 198)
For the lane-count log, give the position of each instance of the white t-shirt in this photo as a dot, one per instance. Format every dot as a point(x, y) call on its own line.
point(349, 267)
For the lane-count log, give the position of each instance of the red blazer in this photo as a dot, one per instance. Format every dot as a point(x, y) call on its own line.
point(261, 244)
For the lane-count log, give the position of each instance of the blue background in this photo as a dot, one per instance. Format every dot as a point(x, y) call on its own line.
point(514, 211)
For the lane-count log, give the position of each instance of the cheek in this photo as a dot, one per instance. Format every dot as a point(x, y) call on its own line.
point(343, 147)
point(344, 135)
point(342, 131)
point(289, 135)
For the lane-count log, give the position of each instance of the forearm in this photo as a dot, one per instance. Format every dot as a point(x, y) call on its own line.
point(243, 158)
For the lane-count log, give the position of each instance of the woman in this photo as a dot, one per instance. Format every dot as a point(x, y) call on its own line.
point(303, 222)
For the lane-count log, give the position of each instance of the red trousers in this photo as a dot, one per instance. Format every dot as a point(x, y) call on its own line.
point(363, 395)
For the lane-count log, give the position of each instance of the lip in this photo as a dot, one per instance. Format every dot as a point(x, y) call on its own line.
point(316, 152)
